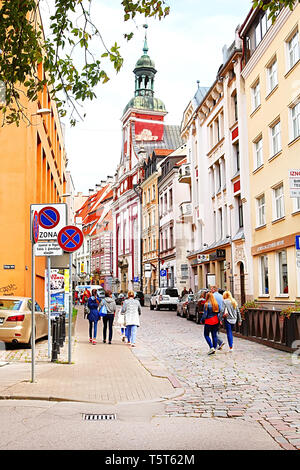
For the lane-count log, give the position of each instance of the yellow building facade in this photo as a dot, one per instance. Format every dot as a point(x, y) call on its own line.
point(271, 70)
point(33, 162)
point(150, 234)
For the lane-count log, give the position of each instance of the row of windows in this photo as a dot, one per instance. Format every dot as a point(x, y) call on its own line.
point(293, 55)
point(278, 208)
point(147, 195)
point(275, 137)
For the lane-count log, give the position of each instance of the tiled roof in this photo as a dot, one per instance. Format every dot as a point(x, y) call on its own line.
point(171, 140)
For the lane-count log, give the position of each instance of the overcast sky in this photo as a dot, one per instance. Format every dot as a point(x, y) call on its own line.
point(186, 47)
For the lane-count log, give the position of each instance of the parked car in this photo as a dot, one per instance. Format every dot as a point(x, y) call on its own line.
point(195, 306)
point(164, 297)
point(182, 304)
point(139, 295)
point(120, 299)
point(15, 320)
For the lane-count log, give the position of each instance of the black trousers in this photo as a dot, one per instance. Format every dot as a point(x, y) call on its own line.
point(108, 319)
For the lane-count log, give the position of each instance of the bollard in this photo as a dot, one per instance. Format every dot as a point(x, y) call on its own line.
point(55, 340)
point(61, 337)
point(64, 326)
point(53, 334)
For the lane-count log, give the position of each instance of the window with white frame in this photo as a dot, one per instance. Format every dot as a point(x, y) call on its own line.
point(296, 203)
point(282, 272)
point(295, 116)
point(153, 191)
point(275, 138)
point(293, 50)
point(272, 76)
point(258, 153)
point(255, 96)
point(278, 202)
point(261, 210)
point(264, 275)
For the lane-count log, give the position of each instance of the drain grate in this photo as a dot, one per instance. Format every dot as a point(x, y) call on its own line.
point(98, 417)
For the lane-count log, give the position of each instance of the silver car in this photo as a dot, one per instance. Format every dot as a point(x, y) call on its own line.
point(15, 320)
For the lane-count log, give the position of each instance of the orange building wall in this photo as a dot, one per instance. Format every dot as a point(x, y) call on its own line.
point(32, 171)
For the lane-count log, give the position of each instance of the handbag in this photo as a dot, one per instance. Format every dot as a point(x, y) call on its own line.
point(102, 309)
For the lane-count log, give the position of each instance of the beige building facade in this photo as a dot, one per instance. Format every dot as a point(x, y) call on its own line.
point(271, 71)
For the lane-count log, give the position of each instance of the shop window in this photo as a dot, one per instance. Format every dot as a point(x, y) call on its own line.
point(264, 275)
point(282, 270)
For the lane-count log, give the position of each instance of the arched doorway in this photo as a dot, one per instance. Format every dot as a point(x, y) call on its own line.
point(242, 283)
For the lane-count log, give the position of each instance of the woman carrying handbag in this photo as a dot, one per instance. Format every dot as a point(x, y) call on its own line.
point(230, 316)
point(93, 316)
point(108, 318)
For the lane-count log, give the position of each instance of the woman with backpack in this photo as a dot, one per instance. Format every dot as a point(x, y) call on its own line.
point(93, 315)
point(230, 316)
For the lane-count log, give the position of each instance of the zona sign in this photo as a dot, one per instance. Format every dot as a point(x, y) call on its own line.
point(70, 238)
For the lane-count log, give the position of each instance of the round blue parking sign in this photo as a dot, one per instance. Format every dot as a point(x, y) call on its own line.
point(49, 217)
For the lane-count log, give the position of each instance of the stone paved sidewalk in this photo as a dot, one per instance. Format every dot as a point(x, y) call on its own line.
point(254, 382)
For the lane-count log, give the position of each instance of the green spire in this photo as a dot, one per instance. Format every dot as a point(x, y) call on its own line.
point(145, 49)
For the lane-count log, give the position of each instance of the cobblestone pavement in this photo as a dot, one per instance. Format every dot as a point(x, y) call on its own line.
point(254, 382)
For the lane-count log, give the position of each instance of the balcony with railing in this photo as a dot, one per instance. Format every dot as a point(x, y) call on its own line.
point(185, 209)
point(184, 174)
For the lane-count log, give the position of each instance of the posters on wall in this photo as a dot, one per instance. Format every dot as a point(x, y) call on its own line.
point(59, 291)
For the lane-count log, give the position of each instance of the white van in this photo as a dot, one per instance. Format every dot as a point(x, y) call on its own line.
point(164, 297)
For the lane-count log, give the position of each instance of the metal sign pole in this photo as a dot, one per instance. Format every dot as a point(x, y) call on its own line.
point(32, 313)
point(49, 305)
point(70, 309)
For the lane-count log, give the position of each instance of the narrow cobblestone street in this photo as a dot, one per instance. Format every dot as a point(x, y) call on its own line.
point(252, 383)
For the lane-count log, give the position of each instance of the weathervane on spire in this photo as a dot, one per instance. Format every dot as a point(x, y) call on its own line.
point(145, 49)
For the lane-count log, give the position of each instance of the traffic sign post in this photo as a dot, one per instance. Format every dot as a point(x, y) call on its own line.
point(70, 239)
point(34, 237)
point(47, 220)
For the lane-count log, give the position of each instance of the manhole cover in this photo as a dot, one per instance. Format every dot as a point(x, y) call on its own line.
point(98, 417)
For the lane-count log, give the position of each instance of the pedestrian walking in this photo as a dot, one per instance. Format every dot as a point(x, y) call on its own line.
point(108, 319)
point(132, 310)
point(84, 300)
point(93, 316)
point(219, 298)
point(231, 315)
point(210, 318)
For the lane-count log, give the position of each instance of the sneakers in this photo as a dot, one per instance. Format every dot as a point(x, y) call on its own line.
point(230, 350)
point(211, 351)
point(94, 341)
point(90, 340)
point(220, 346)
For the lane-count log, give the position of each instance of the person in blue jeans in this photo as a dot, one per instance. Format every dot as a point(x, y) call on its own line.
point(132, 310)
point(219, 298)
point(210, 318)
point(231, 315)
point(93, 316)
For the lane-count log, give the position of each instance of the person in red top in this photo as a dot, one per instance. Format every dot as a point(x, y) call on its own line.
point(210, 318)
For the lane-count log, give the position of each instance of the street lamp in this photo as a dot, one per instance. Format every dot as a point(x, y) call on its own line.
point(231, 266)
point(42, 112)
